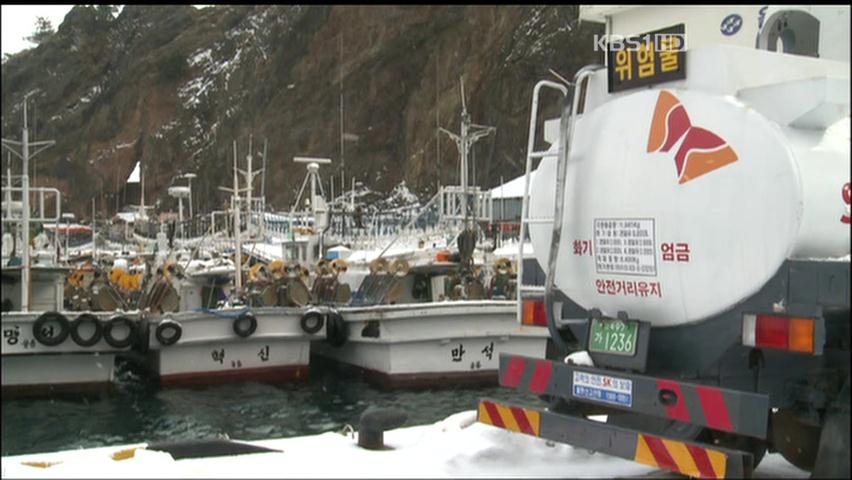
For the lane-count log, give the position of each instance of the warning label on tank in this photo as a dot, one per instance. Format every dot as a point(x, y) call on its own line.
point(625, 246)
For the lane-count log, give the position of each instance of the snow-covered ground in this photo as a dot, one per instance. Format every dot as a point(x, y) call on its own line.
point(455, 447)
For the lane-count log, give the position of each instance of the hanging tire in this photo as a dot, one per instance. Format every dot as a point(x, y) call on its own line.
point(75, 330)
point(115, 342)
point(245, 325)
point(54, 339)
point(168, 332)
point(312, 322)
point(336, 331)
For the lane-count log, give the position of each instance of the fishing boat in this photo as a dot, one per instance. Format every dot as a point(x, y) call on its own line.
point(214, 318)
point(47, 347)
point(434, 314)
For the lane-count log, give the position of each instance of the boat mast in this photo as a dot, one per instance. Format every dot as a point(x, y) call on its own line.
point(342, 158)
point(314, 179)
point(25, 201)
point(249, 176)
point(250, 182)
point(238, 254)
point(263, 177)
point(470, 134)
point(235, 206)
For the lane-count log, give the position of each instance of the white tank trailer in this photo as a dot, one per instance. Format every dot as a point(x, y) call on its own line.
point(700, 224)
point(692, 198)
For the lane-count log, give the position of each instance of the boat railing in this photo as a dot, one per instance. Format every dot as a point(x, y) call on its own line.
point(43, 195)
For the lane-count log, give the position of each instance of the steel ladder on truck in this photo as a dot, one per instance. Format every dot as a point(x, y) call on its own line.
point(726, 410)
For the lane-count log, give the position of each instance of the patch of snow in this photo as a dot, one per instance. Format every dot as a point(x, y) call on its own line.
point(454, 447)
point(580, 358)
point(200, 56)
point(91, 94)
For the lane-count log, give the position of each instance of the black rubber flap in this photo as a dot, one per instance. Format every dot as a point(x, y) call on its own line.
point(206, 448)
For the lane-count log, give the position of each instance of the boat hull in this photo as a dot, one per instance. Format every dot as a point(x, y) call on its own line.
point(48, 373)
point(421, 345)
point(30, 366)
point(209, 351)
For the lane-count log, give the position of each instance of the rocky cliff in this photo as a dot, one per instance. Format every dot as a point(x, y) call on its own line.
point(174, 86)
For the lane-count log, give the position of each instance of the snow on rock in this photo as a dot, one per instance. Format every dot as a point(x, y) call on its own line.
point(91, 94)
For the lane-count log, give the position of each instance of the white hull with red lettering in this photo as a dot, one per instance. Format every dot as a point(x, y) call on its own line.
point(271, 345)
point(60, 357)
point(431, 344)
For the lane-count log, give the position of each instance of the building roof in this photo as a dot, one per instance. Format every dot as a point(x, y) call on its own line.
point(134, 175)
point(512, 189)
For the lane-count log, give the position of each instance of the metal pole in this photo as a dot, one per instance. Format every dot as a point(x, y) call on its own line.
point(190, 197)
point(66, 238)
point(263, 180)
point(502, 211)
point(238, 256)
point(94, 244)
point(342, 157)
point(142, 181)
point(249, 181)
point(25, 180)
point(9, 181)
point(180, 215)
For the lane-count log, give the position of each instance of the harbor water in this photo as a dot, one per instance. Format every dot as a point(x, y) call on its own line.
point(137, 410)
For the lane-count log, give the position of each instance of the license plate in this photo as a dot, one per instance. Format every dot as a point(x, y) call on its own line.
point(613, 336)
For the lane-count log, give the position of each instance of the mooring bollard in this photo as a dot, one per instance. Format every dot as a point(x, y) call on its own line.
point(374, 422)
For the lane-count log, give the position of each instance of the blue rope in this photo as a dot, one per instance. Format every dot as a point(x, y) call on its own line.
point(222, 315)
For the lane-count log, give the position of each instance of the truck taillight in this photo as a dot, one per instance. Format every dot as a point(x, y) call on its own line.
point(795, 334)
point(534, 313)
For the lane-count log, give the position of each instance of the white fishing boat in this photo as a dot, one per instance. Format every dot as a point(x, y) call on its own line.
point(210, 324)
point(432, 315)
point(46, 347)
point(206, 339)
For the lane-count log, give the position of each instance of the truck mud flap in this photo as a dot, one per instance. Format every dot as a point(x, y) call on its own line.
point(687, 458)
point(743, 413)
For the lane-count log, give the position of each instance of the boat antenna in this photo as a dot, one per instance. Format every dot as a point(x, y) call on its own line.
point(263, 178)
point(560, 77)
point(464, 105)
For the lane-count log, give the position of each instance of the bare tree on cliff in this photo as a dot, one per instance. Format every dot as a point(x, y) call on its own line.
point(44, 30)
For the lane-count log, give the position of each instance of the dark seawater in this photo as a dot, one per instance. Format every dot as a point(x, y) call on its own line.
point(137, 410)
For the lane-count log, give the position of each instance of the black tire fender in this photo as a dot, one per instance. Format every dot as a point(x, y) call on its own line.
point(337, 330)
point(165, 326)
point(312, 321)
point(112, 323)
point(75, 330)
point(245, 324)
point(45, 318)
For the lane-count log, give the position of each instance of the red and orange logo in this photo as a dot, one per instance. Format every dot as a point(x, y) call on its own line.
point(701, 151)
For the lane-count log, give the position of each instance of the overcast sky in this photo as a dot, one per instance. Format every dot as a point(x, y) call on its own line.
point(18, 21)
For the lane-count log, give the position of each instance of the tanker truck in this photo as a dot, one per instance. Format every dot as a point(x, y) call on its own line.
point(693, 222)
